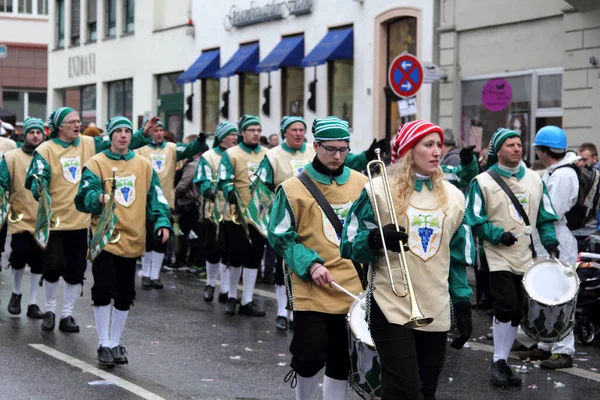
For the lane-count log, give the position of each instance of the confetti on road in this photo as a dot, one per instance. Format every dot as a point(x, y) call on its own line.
point(155, 342)
point(594, 369)
point(100, 383)
point(235, 357)
point(151, 354)
point(248, 349)
point(207, 380)
point(467, 346)
point(214, 326)
point(581, 359)
point(224, 345)
point(558, 385)
point(282, 364)
point(259, 341)
point(89, 326)
point(450, 379)
point(533, 387)
point(281, 355)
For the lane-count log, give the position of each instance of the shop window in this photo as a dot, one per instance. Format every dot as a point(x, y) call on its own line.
point(14, 101)
point(25, 6)
point(292, 91)
point(24, 104)
point(87, 108)
point(550, 91)
point(92, 12)
point(6, 6)
point(75, 22)
point(36, 104)
point(128, 16)
point(167, 84)
point(42, 7)
point(111, 18)
point(120, 94)
point(341, 87)
point(249, 88)
point(209, 104)
point(60, 24)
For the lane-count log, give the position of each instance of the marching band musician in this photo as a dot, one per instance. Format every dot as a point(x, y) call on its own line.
point(164, 157)
point(308, 243)
point(55, 172)
point(215, 244)
point(494, 217)
point(438, 244)
point(24, 250)
point(6, 145)
point(245, 245)
point(136, 193)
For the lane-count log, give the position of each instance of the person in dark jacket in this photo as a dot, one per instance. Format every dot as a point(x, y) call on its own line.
point(450, 153)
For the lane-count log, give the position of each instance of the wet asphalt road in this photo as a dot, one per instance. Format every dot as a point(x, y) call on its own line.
point(182, 348)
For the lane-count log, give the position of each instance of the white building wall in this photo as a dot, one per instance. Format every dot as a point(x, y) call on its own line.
point(29, 29)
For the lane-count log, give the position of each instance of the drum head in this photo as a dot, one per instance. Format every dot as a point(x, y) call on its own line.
point(546, 282)
point(358, 324)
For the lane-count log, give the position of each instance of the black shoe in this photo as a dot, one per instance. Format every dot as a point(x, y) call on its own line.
point(68, 324)
point(535, 355)
point(14, 305)
point(146, 283)
point(230, 306)
point(105, 357)
point(119, 354)
point(557, 361)
point(281, 323)
point(223, 297)
point(209, 293)
point(156, 284)
point(48, 322)
point(502, 375)
point(33, 311)
point(251, 310)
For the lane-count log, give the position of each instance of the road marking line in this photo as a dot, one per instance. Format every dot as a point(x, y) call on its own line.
point(582, 373)
point(259, 292)
point(130, 387)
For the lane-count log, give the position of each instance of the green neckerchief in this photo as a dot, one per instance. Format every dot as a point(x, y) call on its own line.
point(113, 156)
point(248, 149)
point(293, 151)
point(327, 180)
point(159, 146)
point(65, 144)
point(519, 175)
point(419, 184)
point(219, 151)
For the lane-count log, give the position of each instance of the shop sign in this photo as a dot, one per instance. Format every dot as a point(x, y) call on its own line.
point(3, 51)
point(82, 65)
point(496, 94)
point(271, 11)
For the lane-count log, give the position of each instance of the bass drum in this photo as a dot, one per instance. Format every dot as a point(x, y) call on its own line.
point(365, 368)
point(550, 290)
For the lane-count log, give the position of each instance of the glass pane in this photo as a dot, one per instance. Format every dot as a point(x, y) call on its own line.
point(129, 16)
point(42, 7)
point(210, 104)
point(293, 91)
point(341, 89)
point(128, 106)
point(37, 104)
point(92, 10)
point(14, 102)
point(25, 6)
point(402, 36)
point(167, 84)
point(92, 32)
point(87, 110)
point(111, 18)
point(250, 103)
point(550, 91)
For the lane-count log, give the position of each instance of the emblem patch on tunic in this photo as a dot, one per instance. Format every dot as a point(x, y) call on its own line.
point(158, 161)
point(425, 231)
point(298, 166)
point(71, 169)
point(252, 168)
point(125, 193)
point(341, 210)
point(524, 199)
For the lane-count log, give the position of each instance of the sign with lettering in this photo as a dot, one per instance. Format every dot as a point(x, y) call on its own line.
point(273, 10)
point(82, 65)
point(496, 94)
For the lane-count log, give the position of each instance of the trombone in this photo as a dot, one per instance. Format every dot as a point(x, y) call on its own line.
point(44, 202)
point(417, 319)
point(14, 216)
point(108, 212)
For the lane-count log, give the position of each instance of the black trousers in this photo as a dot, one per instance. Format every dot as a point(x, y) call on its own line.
point(153, 243)
point(189, 222)
point(114, 279)
point(3, 234)
point(482, 279)
point(506, 289)
point(24, 250)
point(411, 360)
point(279, 277)
point(271, 260)
point(215, 246)
point(240, 251)
point(66, 254)
point(320, 340)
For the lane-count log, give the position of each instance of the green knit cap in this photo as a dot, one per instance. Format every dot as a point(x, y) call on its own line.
point(117, 122)
point(32, 123)
point(287, 121)
point(496, 143)
point(223, 129)
point(56, 118)
point(246, 121)
point(330, 128)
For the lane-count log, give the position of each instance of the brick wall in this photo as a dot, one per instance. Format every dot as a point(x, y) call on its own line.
point(24, 68)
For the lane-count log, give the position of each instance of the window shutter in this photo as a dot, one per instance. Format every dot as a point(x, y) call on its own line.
point(75, 18)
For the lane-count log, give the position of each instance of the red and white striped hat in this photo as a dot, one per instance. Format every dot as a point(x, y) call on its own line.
point(409, 134)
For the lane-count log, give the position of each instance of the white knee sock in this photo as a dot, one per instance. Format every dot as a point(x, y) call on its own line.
point(212, 271)
point(249, 282)
point(281, 301)
point(117, 326)
point(157, 259)
point(306, 387)
point(17, 278)
point(504, 337)
point(102, 318)
point(334, 389)
point(70, 296)
point(34, 285)
point(50, 289)
point(224, 278)
point(234, 281)
point(146, 264)
point(291, 316)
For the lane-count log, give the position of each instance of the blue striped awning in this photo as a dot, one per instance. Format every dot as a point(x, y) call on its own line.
point(288, 53)
point(204, 67)
point(338, 44)
point(244, 60)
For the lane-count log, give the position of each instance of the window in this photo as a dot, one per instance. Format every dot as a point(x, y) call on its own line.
point(6, 6)
point(26, 6)
point(92, 12)
point(249, 101)
point(60, 24)
point(209, 104)
point(120, 98)
point(24, 104)
point(292, 91)
point(87, 107)
point(128, 16)
point(550, 91)
point(167, 84)
point(75, 22)
point(36, 104)
point(42, 7)
point(14, 102)
point(111, 18)
point(341, 76)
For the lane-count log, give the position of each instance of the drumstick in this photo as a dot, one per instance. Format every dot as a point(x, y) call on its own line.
point(527, 231)
point(569, 271)
point(360, 301)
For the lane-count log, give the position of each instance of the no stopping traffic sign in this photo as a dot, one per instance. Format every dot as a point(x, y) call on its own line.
point(405, 75)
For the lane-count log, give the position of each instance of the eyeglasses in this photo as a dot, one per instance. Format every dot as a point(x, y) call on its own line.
point(330, 150)
point(254, 130)
point(73, 122)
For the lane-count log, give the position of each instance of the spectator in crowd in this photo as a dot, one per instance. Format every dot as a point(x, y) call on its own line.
point(450, 153)
point(264, 142)
point(589, 156)
point(274, 140)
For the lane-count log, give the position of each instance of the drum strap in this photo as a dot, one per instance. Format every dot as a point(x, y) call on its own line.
point(331, 216)
point(495, 176)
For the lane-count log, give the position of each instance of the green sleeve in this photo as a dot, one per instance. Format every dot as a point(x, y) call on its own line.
point(90, 189)
point(265, 172)
point(546, 218)
point(101, 143)
point(285, 240)
point(203, 178)
point(478, 218)
point(4, 178)
point(188, 150)
point(357, 162)
point(19, 145)
point(462, 254)
point(225, 175)
point(360, 221)
point(461, 175)
point(39, 166)
point(157, 207)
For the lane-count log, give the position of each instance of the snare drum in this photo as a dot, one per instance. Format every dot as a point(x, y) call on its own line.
point(365, 368)
point(549, 298)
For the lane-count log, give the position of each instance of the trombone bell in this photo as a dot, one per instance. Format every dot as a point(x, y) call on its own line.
point(54, 222)
point(14, 217)
point(114, 237)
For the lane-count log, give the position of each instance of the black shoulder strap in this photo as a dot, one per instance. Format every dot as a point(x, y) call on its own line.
point(331, 216)
point(496, 177)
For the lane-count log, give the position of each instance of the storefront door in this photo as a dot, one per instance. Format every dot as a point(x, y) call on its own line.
point(170, 111)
